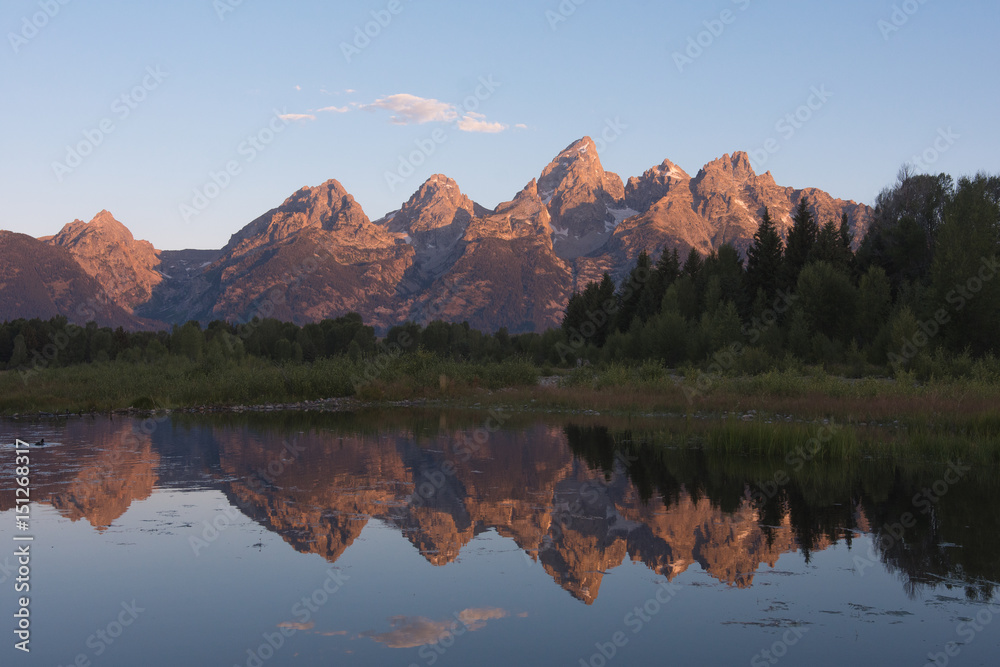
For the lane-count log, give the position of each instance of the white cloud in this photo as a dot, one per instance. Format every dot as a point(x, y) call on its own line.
point(521, 126)
point(298, 87)
point(476, 122)
point(410, 109)
point(350, 91)
point(413, 110)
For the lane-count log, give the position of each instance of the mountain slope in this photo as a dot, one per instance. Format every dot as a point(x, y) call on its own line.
point(107, 251)
point(41, 280)
point(315, 256)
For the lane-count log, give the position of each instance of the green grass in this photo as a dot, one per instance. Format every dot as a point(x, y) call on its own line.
point(178, 383)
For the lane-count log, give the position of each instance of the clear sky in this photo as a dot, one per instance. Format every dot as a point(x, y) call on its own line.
point(203, 77)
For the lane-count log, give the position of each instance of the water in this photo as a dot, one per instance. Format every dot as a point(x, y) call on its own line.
point(425, 538)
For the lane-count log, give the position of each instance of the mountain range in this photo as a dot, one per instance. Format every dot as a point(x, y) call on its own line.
point(440, 256)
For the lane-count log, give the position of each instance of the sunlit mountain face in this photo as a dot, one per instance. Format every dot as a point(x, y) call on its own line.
point(440, 256)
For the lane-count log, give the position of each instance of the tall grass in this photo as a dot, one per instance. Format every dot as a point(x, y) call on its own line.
point(175, 383)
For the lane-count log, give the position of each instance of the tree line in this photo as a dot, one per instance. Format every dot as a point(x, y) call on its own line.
point(920, 284)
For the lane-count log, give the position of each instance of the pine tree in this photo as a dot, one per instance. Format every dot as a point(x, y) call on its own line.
point(631, 291)
point(800, 244)
point(694, 264)
point(668, 268)
point(764, 259)
point(827, 248)
point(846, 258)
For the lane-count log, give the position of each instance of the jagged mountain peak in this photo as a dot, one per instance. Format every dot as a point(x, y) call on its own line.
point(437, 204)
point(104, 218)
point(318, 201)
point(643, 191)
point(736, 166)
point(103, 224)
point(582, 146)
point(437, 186)
point(577, 164)
point(580, 196)
point(106, 250)
point(326, 207)
point(670, 170)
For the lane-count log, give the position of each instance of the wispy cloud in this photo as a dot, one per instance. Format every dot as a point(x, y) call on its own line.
point(412, 110)
point(476, 122)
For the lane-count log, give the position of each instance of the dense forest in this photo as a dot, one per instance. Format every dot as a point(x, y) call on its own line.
point(917, 293)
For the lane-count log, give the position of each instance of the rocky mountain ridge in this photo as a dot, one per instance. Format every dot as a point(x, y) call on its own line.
point(442, 255)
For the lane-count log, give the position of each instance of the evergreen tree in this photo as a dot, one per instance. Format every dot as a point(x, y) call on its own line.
point(665, 274)
point(827, 248)
point(693, 265)
point(668, 268)
point(902, 236)
point(764, 259)
point(631, 292)
point(724, 270)
point(800, 244)
point(966, 264)
point(846, 241)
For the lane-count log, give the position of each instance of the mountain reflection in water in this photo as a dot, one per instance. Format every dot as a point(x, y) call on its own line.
point(577, 498)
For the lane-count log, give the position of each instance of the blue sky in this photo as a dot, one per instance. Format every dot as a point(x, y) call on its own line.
point(207, 82)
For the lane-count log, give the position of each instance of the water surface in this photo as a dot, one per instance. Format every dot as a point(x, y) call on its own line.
point(427, 538)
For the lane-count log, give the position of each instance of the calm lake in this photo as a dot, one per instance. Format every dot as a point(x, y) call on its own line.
point(419, 537)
